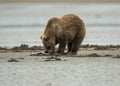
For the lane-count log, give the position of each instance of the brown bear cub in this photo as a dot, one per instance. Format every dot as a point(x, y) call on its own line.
point(68, 30)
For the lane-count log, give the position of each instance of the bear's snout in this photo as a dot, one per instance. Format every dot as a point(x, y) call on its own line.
point(49, 51)
point(46, 52)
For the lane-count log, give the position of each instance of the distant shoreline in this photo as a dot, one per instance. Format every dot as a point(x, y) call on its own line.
point(59, 1)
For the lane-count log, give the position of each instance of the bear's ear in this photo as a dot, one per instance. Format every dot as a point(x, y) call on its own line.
point(44, 37)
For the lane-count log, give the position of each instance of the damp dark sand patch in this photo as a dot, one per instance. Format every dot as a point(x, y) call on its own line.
point(67, 55)
point(101, 47)
point(15, 59)
point(117, 56)
point(93, 55)
point(26, 47)
point(33, 51)
point(12, 60)
point(21, 48)
point(96, 55)
point(108, 55)
point(39, 54)
point(52, 58)
point(92, 46)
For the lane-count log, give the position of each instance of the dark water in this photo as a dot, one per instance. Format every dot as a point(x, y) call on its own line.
point(24, 23)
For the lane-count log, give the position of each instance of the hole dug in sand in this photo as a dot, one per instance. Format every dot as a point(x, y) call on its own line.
point(52, 58)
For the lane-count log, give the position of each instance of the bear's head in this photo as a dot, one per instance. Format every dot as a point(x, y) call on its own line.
point(49, 36)
point(48, 43)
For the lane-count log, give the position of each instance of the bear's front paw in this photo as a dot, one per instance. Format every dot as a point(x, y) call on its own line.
point(60, 52)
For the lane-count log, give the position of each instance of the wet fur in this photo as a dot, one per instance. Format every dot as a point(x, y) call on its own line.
point(68, 30)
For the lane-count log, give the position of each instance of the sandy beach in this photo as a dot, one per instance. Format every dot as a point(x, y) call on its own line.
point(92, 66)
point(23, 23)
point(59, 1)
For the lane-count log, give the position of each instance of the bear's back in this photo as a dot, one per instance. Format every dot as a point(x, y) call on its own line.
point(71, 21)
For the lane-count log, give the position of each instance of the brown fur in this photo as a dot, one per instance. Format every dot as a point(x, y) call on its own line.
point(68, 30)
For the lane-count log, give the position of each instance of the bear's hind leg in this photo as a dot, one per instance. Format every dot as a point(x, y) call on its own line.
point(76, 43)
point(75, 46)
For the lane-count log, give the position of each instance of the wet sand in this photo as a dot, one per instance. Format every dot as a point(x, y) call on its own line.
point(92, 66)
point(57, 1)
